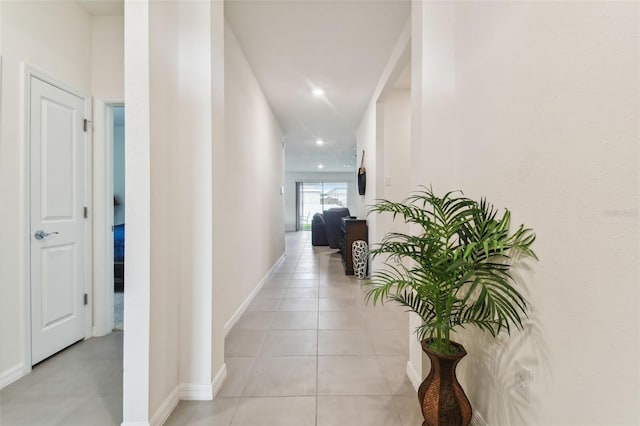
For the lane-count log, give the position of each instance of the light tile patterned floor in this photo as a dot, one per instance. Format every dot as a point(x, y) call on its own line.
point(79, 386)
point(118, 311)
point(308, 351)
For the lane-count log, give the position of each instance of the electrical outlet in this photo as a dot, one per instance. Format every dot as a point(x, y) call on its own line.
point(523, 381)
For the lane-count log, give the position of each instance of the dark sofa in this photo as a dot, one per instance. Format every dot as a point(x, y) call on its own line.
point(332, 225)
point(318, 231)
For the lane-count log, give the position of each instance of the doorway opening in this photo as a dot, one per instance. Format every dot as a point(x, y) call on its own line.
point(315, 197)
point(118, 215)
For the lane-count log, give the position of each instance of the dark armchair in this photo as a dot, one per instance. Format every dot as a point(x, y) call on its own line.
point(332, 225)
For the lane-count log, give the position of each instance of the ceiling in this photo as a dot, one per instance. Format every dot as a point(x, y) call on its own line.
point(294, 46)
point(339, 46)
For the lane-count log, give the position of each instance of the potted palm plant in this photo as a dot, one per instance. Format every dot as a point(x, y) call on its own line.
point(454, 272)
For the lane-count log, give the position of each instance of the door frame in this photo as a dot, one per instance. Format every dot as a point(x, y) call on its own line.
point(103, 301)
point(29, 73)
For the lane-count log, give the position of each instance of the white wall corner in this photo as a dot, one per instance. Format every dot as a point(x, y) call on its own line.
point(11, 375)
point(196, 392)
point(219, 379)
point(477, 420)
point(413, 376)
point(243, 307)
point(164, 411)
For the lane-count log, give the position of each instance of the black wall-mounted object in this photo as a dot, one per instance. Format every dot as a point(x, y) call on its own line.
point(362, 177)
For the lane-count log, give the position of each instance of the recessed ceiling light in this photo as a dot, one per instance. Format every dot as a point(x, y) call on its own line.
point(318, 92)
point(320, 142)
point(320, 166)
point(347, 165)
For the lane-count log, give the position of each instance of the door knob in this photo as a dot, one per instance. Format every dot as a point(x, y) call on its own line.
point(40, 234)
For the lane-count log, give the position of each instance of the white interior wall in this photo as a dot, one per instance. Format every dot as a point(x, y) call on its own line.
point(433, 149)
point(54, 38)
point(218, 225)
point(107, 57)
point(535, 105)
point(368, 140)
point(107, 85)
point(290, 191)
point(195, 200)
point(377, 133)
point(250, 227)
point(397, 138)
point(137, 216)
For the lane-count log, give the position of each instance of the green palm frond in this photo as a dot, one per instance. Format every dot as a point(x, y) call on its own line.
point(454, 271)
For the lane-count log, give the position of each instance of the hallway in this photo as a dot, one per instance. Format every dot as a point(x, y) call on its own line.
point(308, 351)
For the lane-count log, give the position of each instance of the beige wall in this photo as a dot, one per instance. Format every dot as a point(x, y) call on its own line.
point(250, 227)
point(165, 211)
point(107, 57)
point(55, 39)
point(535, 105)
point(397, 139)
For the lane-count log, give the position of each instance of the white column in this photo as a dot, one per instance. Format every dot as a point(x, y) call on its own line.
point(138, 181)
point(432, 115)
point(195, 200)
point(217, 136)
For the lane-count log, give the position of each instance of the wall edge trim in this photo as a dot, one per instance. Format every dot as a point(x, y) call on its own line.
point(413, 376)
point(164, 411)
point(12, 374)
point(218, 380)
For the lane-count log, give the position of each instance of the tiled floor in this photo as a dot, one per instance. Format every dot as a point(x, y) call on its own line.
point(309, 352)
point(80, 386)
point(118, 311)
point(306, 352)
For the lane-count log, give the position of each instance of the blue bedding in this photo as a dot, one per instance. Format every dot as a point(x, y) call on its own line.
point(118, 243)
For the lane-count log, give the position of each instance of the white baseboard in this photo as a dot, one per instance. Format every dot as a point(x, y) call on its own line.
point(219, 379)
point(194, 392)
point(477, 420)
point(166, 408)
point(413, 376)
point(243, 307)
point(186, 392)
point(11, 375)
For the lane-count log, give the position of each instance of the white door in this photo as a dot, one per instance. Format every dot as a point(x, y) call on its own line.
point(57, 151)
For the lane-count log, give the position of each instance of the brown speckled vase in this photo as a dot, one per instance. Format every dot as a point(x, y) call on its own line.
point(441, 397)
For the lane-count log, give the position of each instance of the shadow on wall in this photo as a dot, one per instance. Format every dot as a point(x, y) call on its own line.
point(489, 373)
